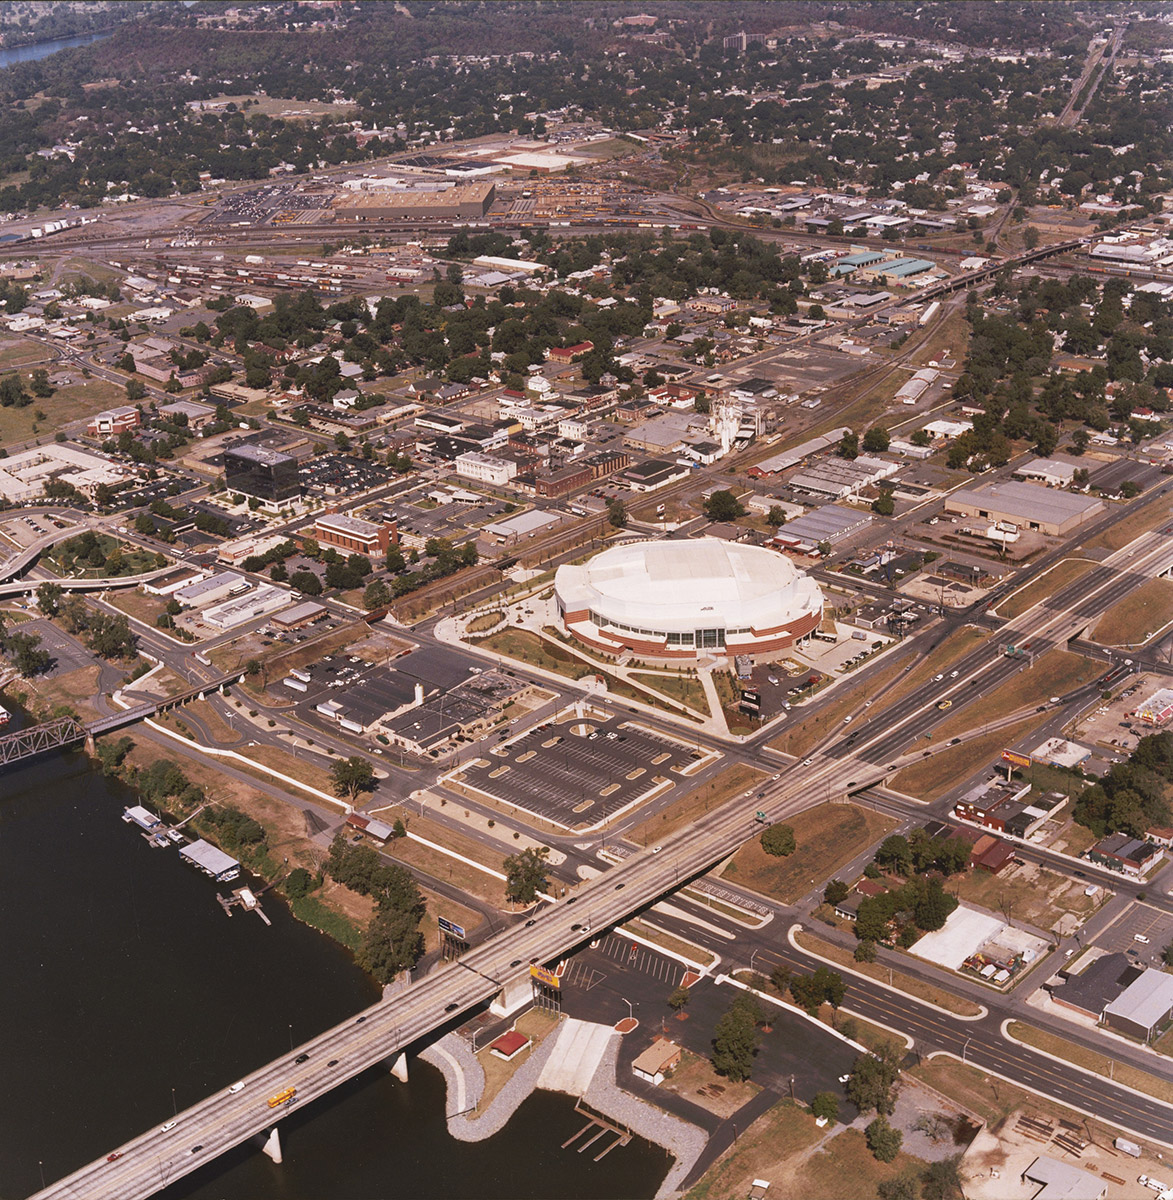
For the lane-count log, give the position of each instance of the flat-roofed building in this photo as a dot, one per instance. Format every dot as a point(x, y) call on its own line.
point(456, 202)
point(1029, 505)
point(354, 535)
point(266, 474)
point(485, 468)
point(1063, 1181)
point(114, 421)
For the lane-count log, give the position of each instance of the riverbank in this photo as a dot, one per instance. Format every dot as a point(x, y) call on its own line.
point(466, 1082)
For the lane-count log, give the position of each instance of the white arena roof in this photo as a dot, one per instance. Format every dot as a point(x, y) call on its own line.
point(678, 586)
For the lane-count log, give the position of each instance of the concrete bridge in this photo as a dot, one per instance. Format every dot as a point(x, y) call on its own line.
point(24, 744)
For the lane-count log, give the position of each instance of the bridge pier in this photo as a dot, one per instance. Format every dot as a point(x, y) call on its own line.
point(270, 1144)
point(91, 745)
point(517, 992)
point(399, 1067)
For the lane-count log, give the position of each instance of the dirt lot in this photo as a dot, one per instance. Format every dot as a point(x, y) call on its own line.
point(1029, 893)
point(827, 837)
point(695, 1080)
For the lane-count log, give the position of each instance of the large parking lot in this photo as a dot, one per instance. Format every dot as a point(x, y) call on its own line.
point(578, 774)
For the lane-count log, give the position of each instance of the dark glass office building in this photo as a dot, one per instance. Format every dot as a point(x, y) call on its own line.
point(266, 474)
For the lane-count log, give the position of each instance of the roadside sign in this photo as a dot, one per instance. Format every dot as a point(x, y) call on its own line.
point(1016, 760)
point(451, 927)
point(546, 976)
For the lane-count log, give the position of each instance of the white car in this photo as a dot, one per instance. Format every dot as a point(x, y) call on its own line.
point(807, 762)
point(169, 1125)
point(238, 1086)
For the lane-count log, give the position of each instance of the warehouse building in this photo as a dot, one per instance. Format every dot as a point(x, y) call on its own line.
point(1144, 1007)
point(457, 202)
point(1044, 509)
point(831, 523)
point(897, 270)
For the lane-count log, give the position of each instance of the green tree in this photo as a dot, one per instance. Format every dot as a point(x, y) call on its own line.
point(27, 657)
point(865, 952)
point(376, 594)
point(1030, 237)
point(883, 1141)
point(873, 1077)
point(883, 505)
point(778, 840)
point(735, 1042)
point(942, 1179)
point(392, 943)
point(298, 883)
point(825, 1104)
point(895, 854)
point(876, 440)
point(848, 445)
point(41, 387)
point(776, 516)
point(525, 874)
point(905, 1186)
point(49, 598)
point(679, 999)
point(723, 505)
point(352, 775)
point(617, 513)
point(836, 892)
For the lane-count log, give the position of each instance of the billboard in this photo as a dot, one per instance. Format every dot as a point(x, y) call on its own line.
point(1015, 759)
point(546, 976)
point(451, 927)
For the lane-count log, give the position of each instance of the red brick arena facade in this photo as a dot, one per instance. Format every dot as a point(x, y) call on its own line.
point(688, 600)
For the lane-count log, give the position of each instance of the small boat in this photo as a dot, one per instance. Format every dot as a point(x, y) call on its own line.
point(5, 715)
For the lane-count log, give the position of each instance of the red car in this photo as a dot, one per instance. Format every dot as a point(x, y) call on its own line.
point(113, 1156)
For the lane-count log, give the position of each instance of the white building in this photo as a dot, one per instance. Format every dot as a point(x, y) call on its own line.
point(484, 468)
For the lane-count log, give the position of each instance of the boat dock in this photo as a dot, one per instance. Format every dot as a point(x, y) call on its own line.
point(602, 1126)
point(245, 898)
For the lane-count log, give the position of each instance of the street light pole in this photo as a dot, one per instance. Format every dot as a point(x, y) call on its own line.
point(965, 1047)
point(630, 1014)
point(752, 955)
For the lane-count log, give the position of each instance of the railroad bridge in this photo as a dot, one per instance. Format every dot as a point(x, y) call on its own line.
point(23, 744)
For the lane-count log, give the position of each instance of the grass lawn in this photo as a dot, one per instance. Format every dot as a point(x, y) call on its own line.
point(139, 605)
point(801, 736)
point(949, 339)
point(527, 647)
point(485, 622)
point(1030, 893)
point(906, 983)
point(828, 836)
point(688, 808)
point(535, 1024)
point(761, 1151)
point(1056, 672)
point(730, 697)
point(1101, 1064)
point(72, 688)
point(934, 776)
point(845, 1169)
point(14, 354)
point(1047, 584)
point(685, 688)
point(66, 405)
point(1138, 616)
point(956, 646)
point(1140, 519)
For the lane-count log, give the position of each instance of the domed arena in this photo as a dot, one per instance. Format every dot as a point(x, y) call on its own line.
point(688, 599)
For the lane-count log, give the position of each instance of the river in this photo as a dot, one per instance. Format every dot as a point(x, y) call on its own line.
point(11, 55)
point(125, 980)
